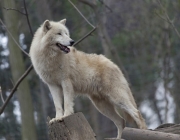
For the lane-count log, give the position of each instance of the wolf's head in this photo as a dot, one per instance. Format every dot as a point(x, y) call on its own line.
point(56, 35)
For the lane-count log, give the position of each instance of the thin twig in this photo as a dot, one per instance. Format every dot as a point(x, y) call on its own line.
point(94, 28)
point(27, 17)
point(102, 2)
point(168, 19)
point(85, 36)
point(12, 82)
point(81, 13)
point(162, 17)
point(1, 95)
point(13, 38)
point(26, 14)
point(15, 88)
point(14, 10)
point(91, 3)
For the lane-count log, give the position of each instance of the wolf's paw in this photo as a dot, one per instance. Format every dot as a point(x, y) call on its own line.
point(56, 120)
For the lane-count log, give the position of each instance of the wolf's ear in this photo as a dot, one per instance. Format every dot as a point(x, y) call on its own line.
point(46, 25)
point(63, 21)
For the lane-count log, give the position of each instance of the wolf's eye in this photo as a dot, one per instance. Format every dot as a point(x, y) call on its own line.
point(59, 33)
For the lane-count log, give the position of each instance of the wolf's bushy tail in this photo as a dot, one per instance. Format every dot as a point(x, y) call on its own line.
point(126, 107)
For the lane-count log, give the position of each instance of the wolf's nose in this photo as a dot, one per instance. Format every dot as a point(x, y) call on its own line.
point(71, 42)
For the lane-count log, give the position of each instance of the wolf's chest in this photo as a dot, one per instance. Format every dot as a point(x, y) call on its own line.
point(49, 72)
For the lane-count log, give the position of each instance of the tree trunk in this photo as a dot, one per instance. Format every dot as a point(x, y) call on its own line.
point(17, 69)
point(73, 127)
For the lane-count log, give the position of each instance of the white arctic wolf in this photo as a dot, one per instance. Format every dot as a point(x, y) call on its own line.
point(69, 72)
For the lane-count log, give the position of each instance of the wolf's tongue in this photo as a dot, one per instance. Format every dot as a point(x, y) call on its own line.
point(63, 48)
point(67, 50)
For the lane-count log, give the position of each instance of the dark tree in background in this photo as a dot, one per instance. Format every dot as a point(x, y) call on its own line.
point(136, 35)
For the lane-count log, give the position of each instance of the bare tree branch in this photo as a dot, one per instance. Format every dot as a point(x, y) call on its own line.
point(26, 14)
point(1, 95)
point(94, 28)
point(27, 17)
point(168, 19)
point(91, 3)
point(15, 88)
point(102, 2)
point(14, 10)
point(13, 38)
point(12, 82)
point(85, 36)
point(162, 17)
point(81, 14)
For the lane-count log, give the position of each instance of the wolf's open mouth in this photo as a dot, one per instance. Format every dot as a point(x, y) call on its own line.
point(63, 48)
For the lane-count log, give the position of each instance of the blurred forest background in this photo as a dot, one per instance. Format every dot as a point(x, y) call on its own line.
point(134, 34)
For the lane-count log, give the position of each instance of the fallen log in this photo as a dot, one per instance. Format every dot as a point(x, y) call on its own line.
point(139, 134)
point(173, 128)
point(113, 139)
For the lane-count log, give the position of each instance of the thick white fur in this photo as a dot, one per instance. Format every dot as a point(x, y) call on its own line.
point(76, 72)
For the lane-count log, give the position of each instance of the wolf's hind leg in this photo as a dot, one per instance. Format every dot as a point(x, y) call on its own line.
point(107, 109)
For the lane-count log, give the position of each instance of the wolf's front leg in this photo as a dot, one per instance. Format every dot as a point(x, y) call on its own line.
point(69, 95)
point(57, 95)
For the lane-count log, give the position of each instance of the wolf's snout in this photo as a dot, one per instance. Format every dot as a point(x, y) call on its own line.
point(71, 42)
